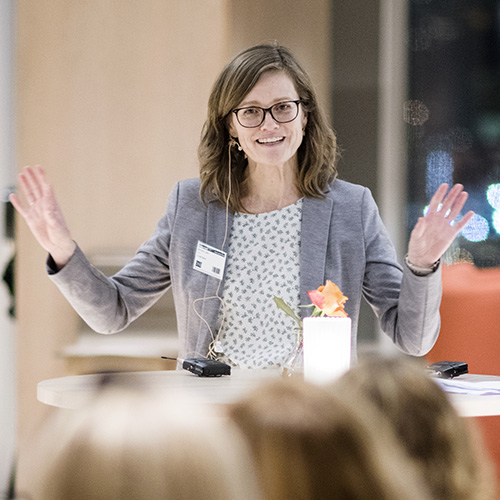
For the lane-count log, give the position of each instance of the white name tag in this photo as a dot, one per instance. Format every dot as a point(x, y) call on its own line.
point(209, 260)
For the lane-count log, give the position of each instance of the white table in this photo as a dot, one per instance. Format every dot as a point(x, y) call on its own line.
point(75, 391)
point(469, 405)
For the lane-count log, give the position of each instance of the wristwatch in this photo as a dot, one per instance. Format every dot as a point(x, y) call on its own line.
point(421, 271)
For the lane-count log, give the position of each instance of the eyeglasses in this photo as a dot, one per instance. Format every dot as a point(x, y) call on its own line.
point(254, 116)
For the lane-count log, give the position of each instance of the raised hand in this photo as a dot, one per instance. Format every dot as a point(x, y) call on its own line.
point(43, 215)
point(434, 233)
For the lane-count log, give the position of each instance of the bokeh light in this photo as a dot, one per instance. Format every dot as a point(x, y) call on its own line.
point(415, 112)
point(496, 221)
point(477, 229)
point(493, 195)
point(439, 170)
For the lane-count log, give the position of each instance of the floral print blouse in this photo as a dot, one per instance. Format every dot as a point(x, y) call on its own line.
point(262, 262)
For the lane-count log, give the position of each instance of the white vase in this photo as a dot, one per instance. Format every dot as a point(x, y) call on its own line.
point(327, 348)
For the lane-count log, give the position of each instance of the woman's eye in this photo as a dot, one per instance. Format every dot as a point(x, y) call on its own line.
point(283, 107)
point(250, 112)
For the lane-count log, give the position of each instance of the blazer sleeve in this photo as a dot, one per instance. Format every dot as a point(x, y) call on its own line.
point(110, 304)
point(406, 305)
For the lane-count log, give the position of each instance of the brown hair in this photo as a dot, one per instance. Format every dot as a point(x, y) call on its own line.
point(317, 154)
point(440, 442)
point(308, 444)
point(141, 444)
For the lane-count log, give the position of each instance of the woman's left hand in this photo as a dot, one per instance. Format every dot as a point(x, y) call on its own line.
point(434, 233)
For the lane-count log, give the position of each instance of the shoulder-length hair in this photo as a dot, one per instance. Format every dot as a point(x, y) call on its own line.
point(223, 167)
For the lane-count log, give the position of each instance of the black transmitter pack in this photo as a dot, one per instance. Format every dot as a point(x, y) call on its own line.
point(449, 369)
point(206, 367)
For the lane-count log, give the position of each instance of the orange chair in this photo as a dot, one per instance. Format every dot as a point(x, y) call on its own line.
point(470, 332)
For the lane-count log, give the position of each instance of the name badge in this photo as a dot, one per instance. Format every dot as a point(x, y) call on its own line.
point(209, 260)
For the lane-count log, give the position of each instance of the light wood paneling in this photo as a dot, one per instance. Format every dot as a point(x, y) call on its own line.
point(111, 97)
point(303, 27)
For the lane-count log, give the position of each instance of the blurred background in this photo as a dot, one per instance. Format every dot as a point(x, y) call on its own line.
point(110, 97)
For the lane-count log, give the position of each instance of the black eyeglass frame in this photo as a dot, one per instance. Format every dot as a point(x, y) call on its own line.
point(267, 110)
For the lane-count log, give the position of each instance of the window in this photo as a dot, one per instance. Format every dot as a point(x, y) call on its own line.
point(452, 116)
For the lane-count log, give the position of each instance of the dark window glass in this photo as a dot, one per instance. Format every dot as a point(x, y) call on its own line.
point(453, 116)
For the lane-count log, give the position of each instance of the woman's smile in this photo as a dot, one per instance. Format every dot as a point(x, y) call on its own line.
point(271, 140)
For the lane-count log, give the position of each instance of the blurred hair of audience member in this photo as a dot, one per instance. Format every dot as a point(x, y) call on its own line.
point(443, 445)
point(135, 445)
point(310, 445)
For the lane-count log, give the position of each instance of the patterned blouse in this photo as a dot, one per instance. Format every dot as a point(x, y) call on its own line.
point(263, 261)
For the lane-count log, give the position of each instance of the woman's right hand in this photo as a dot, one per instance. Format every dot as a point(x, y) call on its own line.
point(43, 215)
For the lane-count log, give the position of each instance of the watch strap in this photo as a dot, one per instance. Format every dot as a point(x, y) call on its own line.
point(421, 271)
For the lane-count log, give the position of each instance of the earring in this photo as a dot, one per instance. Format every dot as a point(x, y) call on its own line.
point(234, 143)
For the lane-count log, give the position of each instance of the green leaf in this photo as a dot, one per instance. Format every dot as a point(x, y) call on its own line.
point(317, 312)
point(287, 310)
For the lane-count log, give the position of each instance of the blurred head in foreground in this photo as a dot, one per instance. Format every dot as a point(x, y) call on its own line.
point(142, 447)
point(444, 446)
point(308, 444)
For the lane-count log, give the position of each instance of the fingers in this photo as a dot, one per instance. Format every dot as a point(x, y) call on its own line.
point(31, 181)
point(456, 207)
point(16, 202)
point(33, 186)
point(441, 200)
point(437, 199)
point(449, 204)
point(456, 198)
point(26, 185)
point(463, 221)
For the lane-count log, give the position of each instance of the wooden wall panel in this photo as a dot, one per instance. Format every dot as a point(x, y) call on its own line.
point(303, 27)
point(111, 97)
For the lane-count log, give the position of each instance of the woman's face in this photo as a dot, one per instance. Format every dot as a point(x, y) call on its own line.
point(271, 143)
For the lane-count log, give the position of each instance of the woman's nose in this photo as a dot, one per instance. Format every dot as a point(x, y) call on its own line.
point(269, 122)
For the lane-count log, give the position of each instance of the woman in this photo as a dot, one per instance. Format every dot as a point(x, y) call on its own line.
point(308, 444)
point(132, 442)
point(445, 448)
point(267, 217)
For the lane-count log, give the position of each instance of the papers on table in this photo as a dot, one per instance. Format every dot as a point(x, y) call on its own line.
point(476, 388)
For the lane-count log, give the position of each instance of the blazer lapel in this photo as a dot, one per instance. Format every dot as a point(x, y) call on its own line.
point(216, 225)
point(316, 217)
point(215, 234)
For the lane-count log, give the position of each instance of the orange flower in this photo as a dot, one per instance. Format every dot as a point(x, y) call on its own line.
point(328, 300)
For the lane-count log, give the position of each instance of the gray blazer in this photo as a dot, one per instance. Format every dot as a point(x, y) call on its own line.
point(343, 239)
